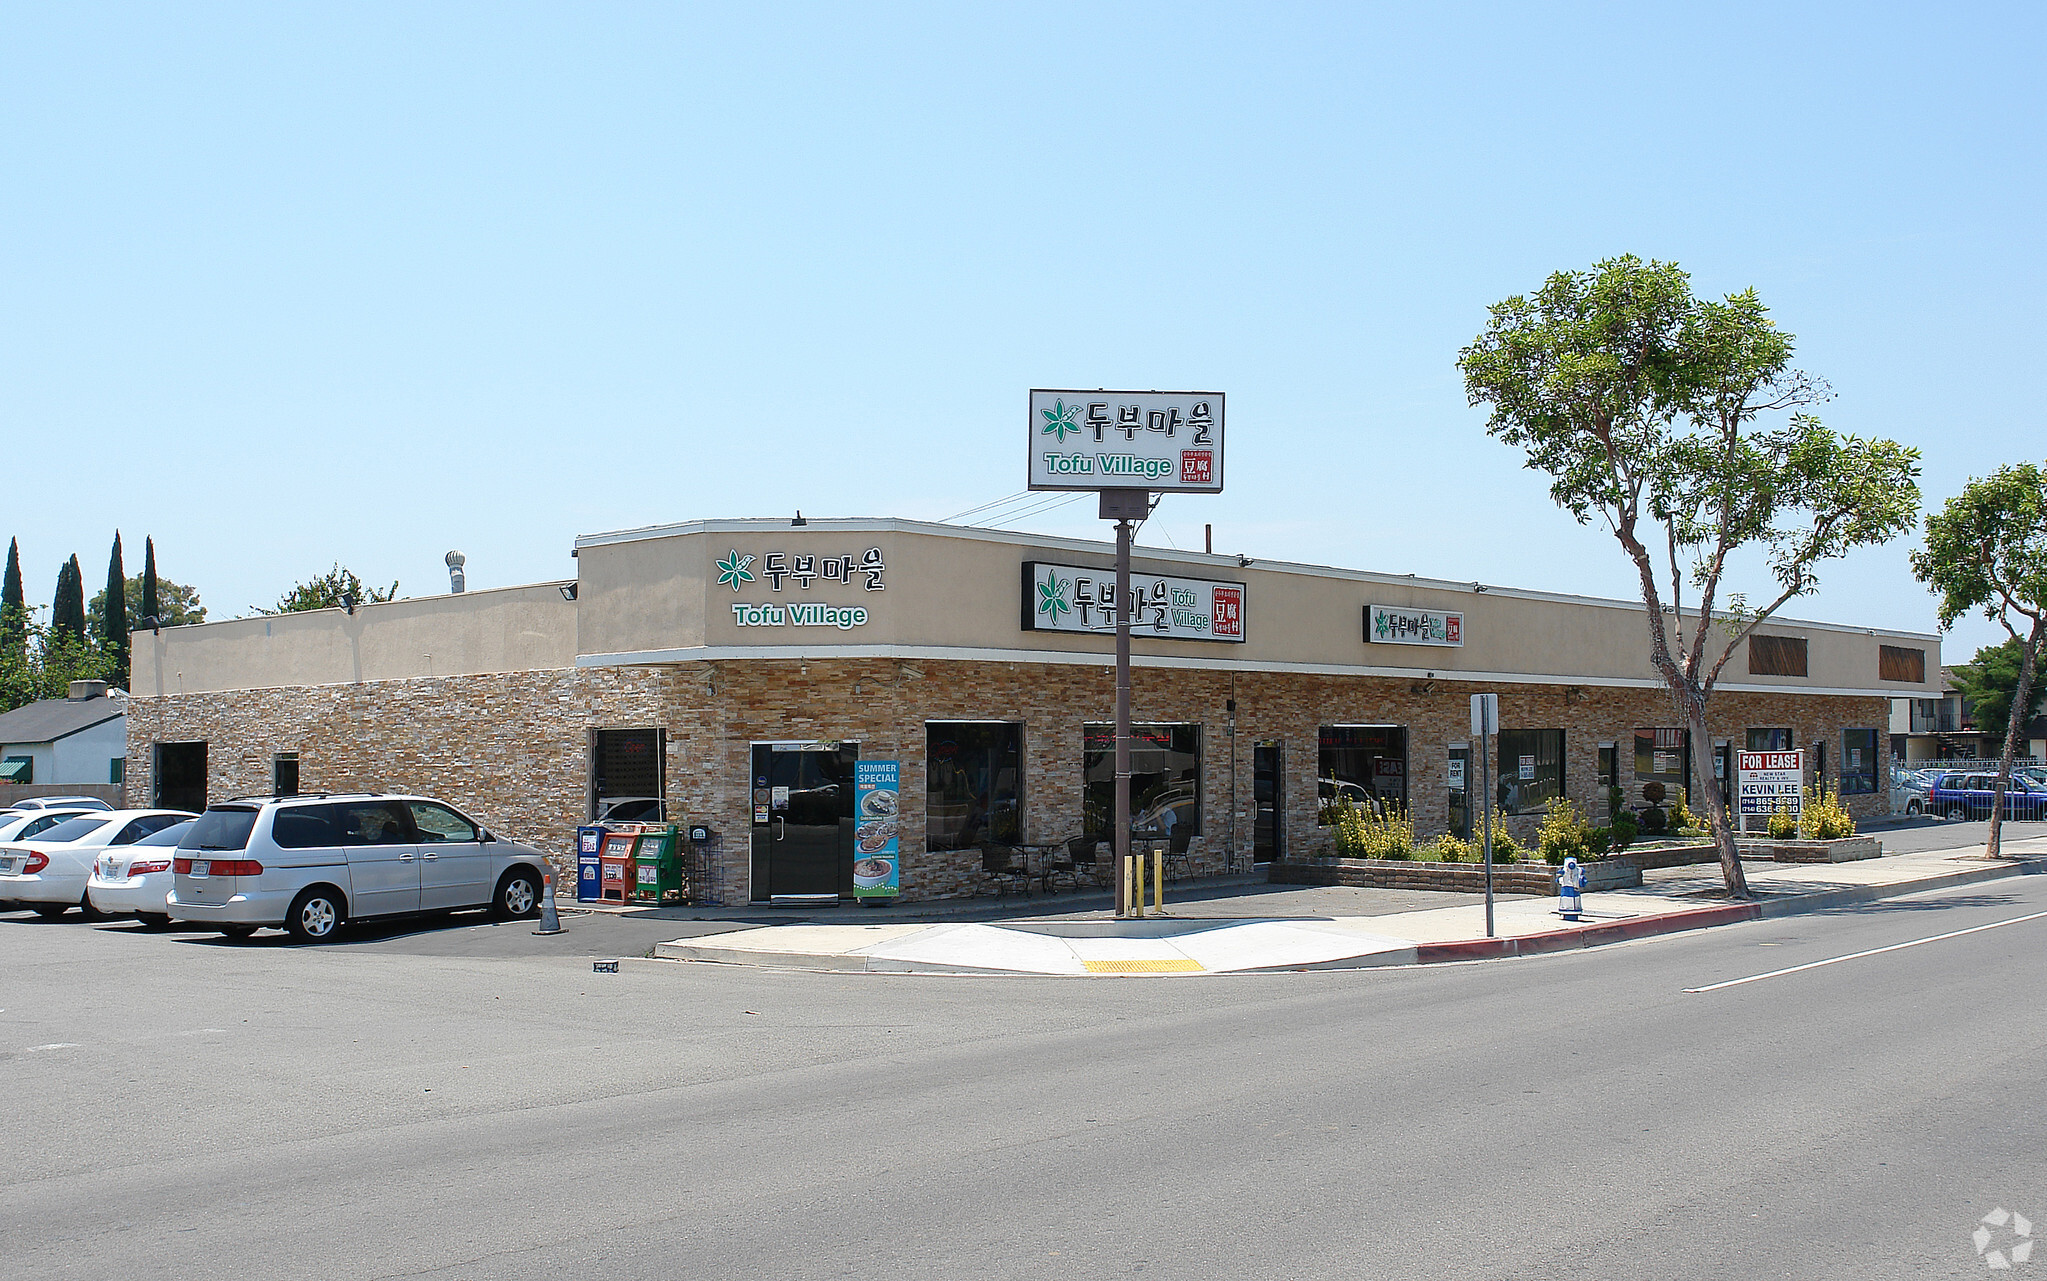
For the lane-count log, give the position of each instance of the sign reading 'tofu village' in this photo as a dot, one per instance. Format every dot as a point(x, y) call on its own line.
point(1399, 625)
point(1161, 441)
point(795, 574)
point(1072, 598)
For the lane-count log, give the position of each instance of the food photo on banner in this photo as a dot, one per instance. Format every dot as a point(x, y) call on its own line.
point(877, 801)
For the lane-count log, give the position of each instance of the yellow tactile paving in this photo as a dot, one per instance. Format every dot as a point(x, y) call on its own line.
point(1144, 967)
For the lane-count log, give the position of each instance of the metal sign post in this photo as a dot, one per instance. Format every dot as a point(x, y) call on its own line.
point(1485, 722)
point(1124, 506)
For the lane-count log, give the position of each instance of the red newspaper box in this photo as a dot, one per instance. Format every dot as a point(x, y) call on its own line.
point(615, 870)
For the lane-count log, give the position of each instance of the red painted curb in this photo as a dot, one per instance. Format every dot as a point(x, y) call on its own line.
point(1588, 936)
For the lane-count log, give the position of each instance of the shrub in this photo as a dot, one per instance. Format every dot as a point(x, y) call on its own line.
point(1681, 817)
point(1653, 820)
point(1364, 833)
point(1824, 818)
point(1448, 848)
point(1653, 792)
point(1783, 825)
point(1564, 833)
point(1624, 830)
point(1599, 842)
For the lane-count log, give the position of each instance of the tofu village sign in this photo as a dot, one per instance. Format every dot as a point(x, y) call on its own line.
point(1126, 445)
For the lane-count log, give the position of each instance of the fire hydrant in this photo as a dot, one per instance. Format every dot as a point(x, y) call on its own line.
point(1570, 890)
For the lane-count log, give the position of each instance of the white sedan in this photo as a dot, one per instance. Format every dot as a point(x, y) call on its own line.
point(48, 871)
point(134, 879)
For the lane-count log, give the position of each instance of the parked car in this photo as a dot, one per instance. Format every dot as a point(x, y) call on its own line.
point(1969, 796)
point(136, 880)
point(48, 871)
point(1908, 791)
point(309, 864)
point(60, 803)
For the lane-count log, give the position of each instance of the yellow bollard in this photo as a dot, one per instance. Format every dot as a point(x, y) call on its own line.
point(1158, 880)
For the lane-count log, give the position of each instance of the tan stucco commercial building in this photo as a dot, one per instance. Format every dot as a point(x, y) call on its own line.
point(738, 668)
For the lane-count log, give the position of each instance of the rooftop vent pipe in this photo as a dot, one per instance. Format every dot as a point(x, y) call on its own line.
point(457, 580)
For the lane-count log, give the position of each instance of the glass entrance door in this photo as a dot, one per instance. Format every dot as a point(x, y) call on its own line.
point(1268, 798)
point(802, 797)
point(1460, 793)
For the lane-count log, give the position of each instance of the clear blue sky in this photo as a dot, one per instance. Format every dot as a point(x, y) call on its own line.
point(285, 285)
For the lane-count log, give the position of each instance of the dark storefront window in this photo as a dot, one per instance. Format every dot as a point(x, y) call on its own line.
point(626, 774)
point(1769, 740)
point(1165, 777)
point(973, 783)
point(1364, 764)
point(1531, 769)
point(1663, 756)
point(1858, 762)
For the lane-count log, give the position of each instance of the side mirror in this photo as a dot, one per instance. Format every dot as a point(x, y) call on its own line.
point(483, 834)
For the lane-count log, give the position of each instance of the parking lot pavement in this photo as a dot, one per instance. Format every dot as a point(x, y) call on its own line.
point(458, 934)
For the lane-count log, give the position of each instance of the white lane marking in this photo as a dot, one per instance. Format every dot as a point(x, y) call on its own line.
point(1875, 951)
point(55, 1045)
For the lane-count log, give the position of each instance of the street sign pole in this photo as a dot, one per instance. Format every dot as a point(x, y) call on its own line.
point(1485, 722)
point(1123, 506)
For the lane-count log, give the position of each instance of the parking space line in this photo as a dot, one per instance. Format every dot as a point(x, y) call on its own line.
point(1875, 951)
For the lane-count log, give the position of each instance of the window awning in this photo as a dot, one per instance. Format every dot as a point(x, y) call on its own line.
point(15, 769)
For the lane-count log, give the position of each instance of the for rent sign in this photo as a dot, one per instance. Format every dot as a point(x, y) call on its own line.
point(1766, 782)
point(1162, 441)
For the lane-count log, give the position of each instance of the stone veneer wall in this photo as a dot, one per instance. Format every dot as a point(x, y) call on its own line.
point(513, 749)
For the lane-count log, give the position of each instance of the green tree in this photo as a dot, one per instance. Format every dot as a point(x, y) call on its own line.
point(47, 663)
point(1642, 403)
point(111, 627)
point(178, 603)
point(151, 609)
point(335, 589)
point(1990, 681)
point(67, 608)
point(13, 607)
point(1986, 549)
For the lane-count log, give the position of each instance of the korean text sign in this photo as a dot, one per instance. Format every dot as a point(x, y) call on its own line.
point(1073, 598)
point(1401, 625)
point(1164, 441)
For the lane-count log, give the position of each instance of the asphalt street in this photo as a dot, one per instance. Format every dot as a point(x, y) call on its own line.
point(182, 1106)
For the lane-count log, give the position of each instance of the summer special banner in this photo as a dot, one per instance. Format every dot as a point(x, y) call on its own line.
point(876, 799)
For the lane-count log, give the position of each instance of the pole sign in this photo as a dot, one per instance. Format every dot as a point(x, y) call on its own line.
point(1767, 782)
point(1164, 441)
point(1071, 598)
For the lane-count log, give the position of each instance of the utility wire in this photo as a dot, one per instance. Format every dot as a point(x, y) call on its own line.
point(1006, 498)
point(1028, 512)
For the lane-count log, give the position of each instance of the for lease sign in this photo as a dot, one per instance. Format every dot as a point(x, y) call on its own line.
point(1163, 441)
point(1766, 782)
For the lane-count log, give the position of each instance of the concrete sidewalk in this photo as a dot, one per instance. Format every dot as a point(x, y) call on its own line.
point(1218, 937)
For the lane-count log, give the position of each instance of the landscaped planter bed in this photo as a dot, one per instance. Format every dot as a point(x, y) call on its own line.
point(1845, 850)
point(1461, 878)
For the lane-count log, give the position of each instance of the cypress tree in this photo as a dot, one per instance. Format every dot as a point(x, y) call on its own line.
point(116, 617)
point(67, 608)
point(150, 609)
point(13, 606)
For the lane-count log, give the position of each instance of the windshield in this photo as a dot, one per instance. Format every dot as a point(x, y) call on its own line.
point(170, 835)
point(220, 829)
point(70, 830)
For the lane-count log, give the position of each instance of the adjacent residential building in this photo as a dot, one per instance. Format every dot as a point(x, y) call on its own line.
point(77, 741)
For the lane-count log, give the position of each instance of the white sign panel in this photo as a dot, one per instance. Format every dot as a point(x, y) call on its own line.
point(1073, 598)
point(1400, 625)
point(1163, 441)
point(1765, 782)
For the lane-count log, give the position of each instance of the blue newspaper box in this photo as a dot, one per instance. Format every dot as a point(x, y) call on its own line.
point(589, 851)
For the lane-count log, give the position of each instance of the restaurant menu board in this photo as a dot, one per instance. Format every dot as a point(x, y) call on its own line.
point(1073, 598)
point(877, 797)
point(1766, 782)
point(1162, 441)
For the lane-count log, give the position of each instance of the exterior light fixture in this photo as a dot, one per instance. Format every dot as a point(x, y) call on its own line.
point(568, 591)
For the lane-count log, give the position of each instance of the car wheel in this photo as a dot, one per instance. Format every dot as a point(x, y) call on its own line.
point(155, 920)
point(51, 911)
point(518, 895)
point(315, 916)
point(236, 931)
point(1912, 809)
point(1958, 811)
point(87, 910)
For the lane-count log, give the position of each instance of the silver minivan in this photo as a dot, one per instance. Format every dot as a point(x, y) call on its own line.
point(308, 864)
